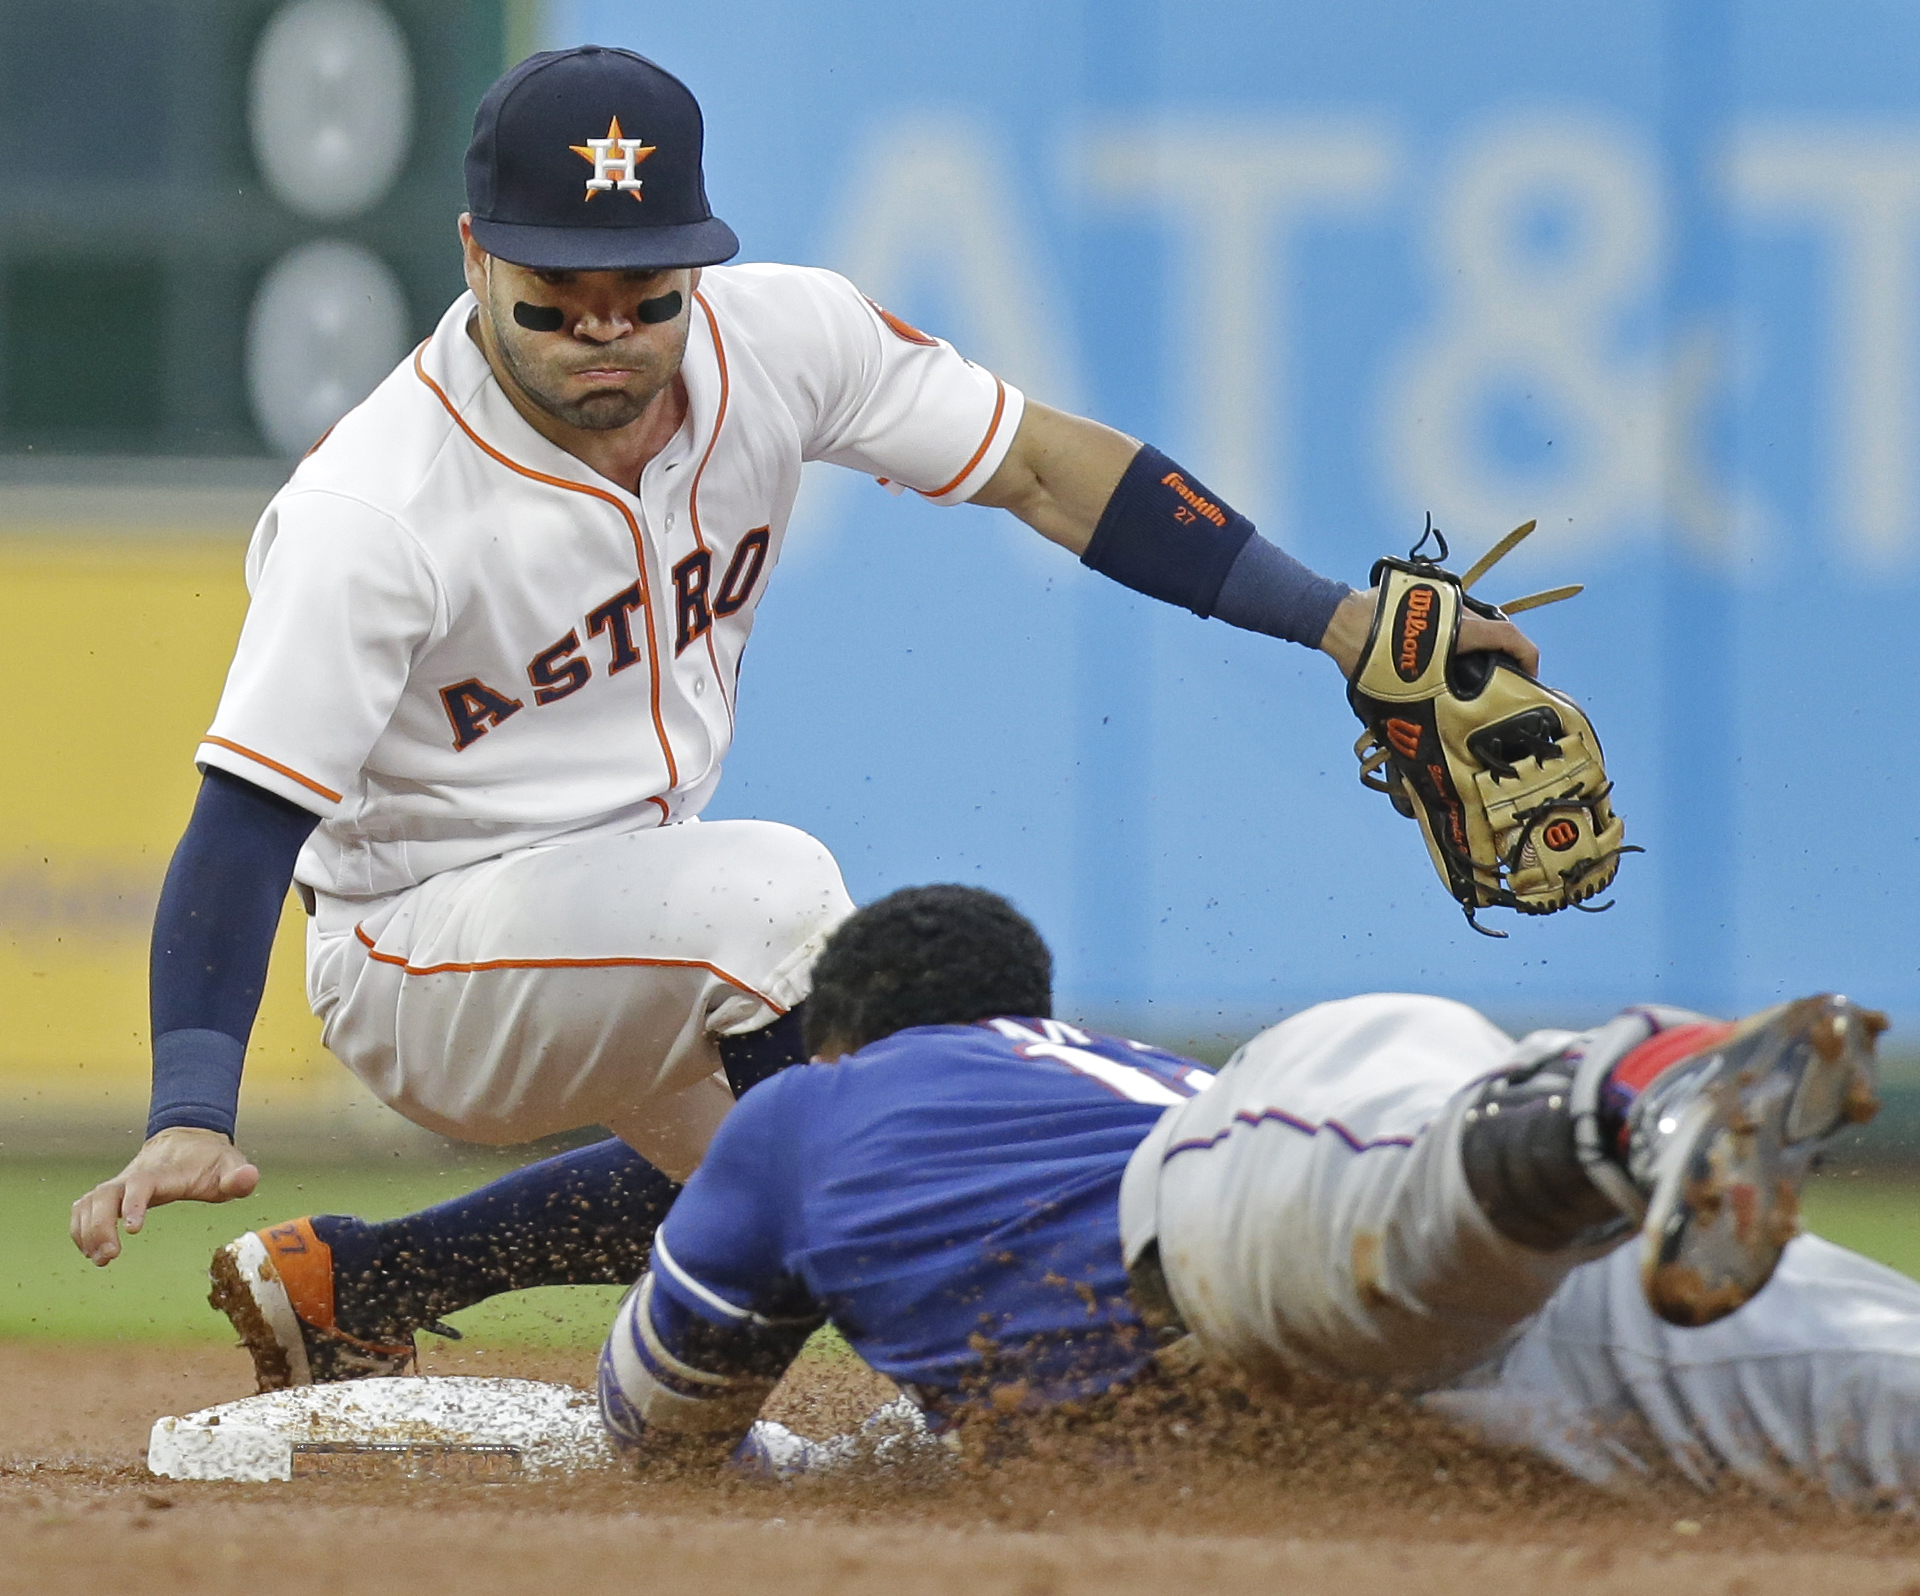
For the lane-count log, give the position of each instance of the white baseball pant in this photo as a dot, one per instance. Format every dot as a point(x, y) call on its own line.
point(576, 983)
point(1312, 1213)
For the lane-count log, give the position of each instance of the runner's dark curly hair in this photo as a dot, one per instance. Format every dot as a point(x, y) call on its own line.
point(941, 955)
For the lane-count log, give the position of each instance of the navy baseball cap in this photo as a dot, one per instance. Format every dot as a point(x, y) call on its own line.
point(589, 160)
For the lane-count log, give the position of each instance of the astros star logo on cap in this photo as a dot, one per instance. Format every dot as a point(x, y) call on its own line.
point(615, 161)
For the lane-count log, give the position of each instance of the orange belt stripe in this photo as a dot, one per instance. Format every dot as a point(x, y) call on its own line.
point(480, 965)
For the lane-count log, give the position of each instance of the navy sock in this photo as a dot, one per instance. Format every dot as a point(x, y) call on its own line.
point(582, 1218)
point(758, 1055)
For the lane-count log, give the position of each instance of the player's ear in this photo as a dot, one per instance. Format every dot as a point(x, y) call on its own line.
point(694, 282)
point(473, 259)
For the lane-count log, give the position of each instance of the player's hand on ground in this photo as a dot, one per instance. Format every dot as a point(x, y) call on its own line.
point(176, 1165)
point(1346, 634)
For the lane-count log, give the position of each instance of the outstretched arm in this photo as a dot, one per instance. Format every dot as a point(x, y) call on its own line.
point(709, 1330)
point(1059, 474)
point(689, 1382)
point(212, 934)
point(1131, 513)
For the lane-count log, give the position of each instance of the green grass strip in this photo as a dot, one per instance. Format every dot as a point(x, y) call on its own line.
point(156, 1290)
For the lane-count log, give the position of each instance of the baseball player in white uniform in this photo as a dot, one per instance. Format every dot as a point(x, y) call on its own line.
point(487, 682)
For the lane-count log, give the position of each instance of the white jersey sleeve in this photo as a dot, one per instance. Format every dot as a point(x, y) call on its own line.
point(885, 398)
point(342, 599)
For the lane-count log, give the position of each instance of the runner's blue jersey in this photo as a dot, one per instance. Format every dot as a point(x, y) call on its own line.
point(948, 1197)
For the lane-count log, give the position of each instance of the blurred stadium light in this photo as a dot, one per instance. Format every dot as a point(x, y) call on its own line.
point(159, 158)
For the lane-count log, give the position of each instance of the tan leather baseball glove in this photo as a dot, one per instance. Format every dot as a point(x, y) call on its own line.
point(1504, 775)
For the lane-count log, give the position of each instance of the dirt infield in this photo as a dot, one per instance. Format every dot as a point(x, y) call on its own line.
point(1302, 1497)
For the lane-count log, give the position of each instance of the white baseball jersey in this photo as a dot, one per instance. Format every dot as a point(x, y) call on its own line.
point(462, 640)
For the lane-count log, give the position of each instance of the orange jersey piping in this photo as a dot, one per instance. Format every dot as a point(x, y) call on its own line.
point(993, 427)
point(693, 493)
point(288, 771)
point(482, 965)
point(633, 527)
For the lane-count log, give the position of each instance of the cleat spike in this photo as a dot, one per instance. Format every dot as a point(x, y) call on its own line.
point(1829, 1040)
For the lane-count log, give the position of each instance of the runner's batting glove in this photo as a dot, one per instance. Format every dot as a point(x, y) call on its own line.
point(1504, 775)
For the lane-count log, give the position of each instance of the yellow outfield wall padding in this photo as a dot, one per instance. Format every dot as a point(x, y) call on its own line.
point(115, 649)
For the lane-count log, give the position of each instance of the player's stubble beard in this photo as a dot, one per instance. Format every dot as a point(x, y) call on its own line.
point(540, 364)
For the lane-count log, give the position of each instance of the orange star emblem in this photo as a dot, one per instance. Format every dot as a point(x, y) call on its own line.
point(616, 161)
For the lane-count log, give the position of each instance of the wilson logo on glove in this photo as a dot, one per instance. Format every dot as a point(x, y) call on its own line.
point(1405, 737)
point(1561, 835)
point(1413, 625)
point(1495, 767)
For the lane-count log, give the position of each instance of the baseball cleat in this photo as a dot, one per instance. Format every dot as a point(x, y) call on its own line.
point(277, 1286)
point(1722, 1141)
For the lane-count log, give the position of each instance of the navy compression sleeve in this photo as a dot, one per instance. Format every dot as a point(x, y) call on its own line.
point(1165, 534)
point(212, 933)
point(1268, 590)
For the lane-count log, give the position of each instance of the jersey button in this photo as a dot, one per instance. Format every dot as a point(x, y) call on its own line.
point(699, 685)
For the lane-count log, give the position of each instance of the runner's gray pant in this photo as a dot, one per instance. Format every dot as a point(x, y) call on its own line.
point(1312, 1214)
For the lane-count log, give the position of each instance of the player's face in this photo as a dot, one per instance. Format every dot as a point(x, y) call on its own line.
point(594, 358)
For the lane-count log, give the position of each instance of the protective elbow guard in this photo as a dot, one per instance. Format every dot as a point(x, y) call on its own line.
point(1523, 1166)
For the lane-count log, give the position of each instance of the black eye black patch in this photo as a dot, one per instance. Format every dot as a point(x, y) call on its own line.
point(539, 318)
point(665, 308)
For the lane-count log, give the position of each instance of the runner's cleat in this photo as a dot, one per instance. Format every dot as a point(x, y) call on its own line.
point(1722, 1141)
point(277, 1286)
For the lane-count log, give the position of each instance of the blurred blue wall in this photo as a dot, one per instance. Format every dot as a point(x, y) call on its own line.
point(1647, 271)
